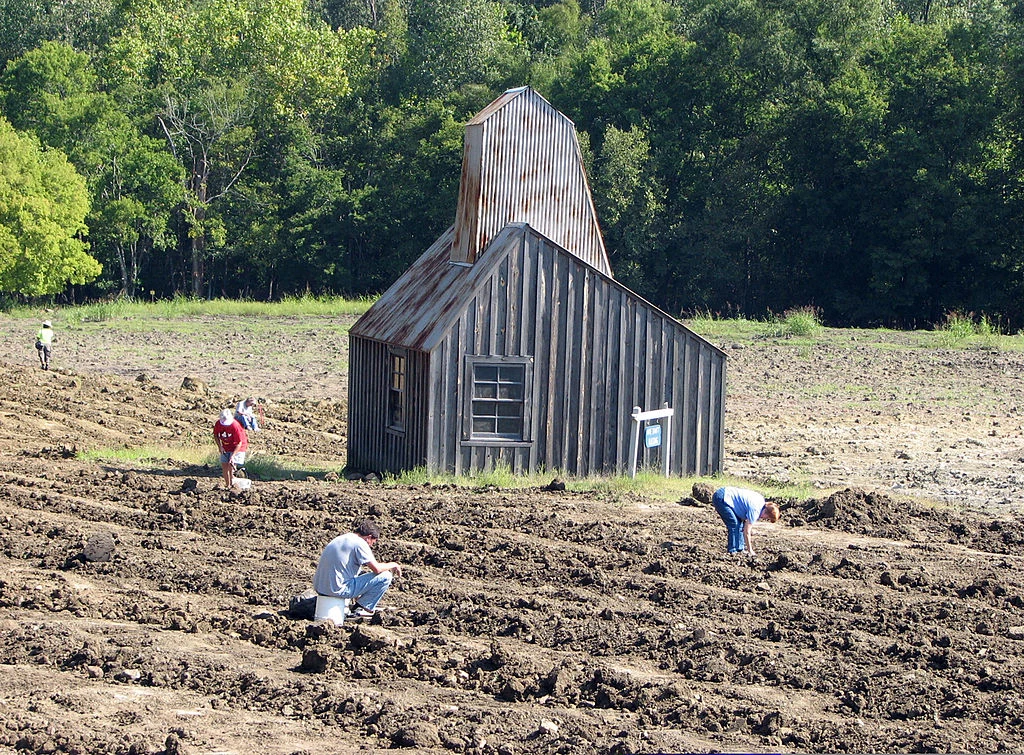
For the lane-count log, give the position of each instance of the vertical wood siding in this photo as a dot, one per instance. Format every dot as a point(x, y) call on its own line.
point(597, 352)
point(521, 162)
point(371, 445)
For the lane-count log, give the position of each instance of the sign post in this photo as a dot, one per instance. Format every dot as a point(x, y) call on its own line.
point(653, 435)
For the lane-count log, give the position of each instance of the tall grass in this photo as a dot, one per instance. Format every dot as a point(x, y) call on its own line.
point(961, 329)
point(796, 322)
point(266, 467)
point(183, 306)
point(802, 321)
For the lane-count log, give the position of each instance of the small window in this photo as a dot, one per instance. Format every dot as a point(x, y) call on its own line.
point(396, 391)
point(499, 401)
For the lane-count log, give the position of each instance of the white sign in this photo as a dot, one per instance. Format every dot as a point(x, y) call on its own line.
point(652, 435)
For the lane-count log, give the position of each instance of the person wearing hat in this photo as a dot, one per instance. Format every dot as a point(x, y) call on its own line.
point(245, 413)
point(44, 344)
point(232, 442)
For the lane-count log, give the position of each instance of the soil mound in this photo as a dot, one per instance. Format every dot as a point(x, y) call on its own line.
point(862, 512)
point(877, 515)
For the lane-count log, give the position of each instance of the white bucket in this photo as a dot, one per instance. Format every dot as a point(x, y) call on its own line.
point(241, 483)
point(334, 609)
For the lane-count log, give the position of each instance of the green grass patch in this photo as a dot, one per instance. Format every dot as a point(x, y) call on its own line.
point(800, 322)
point(803, 329)
point(647, 484)
point(270, 468)
point(501, 476)
point(257, 466)
point(147, 454)
point(183, 307)
point(709, 325)
point(963, 330)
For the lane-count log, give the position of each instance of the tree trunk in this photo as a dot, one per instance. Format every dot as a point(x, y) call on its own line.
point(119, 249)
point(198, 233)
point(133, 269)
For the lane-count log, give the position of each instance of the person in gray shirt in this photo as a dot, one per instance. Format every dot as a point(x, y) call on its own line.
point(340, 571)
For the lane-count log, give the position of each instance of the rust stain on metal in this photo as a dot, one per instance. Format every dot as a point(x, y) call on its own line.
point(522, 164)
point(419, 307)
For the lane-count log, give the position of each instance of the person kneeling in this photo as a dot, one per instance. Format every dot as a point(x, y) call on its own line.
point(338, 573)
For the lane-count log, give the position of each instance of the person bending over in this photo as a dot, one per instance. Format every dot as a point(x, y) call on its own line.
point(739, 508)
point(232, 442)
point(339, 575)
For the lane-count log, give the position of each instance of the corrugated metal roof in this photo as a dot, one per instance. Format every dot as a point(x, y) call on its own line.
point(422, 305)
point(522, 163)
point(416, 311)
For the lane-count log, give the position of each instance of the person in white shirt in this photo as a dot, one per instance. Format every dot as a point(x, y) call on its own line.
point(245, 413)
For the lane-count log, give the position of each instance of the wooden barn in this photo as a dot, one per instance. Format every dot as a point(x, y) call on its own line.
point(508, 341)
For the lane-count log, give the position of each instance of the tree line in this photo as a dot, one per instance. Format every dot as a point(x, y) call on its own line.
point(862, 157)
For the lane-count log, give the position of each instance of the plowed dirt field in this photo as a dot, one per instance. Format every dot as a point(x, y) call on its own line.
point(884, 614)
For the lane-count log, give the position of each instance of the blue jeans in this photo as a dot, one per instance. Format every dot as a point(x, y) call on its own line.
point(733, 524)
point(249, 423)
point(367, 589)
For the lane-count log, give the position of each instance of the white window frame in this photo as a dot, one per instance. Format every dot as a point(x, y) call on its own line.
point(471, 436)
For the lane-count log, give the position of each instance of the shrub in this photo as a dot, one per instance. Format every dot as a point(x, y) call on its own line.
point(960, 328)
point(799, 321)
point(802, 321)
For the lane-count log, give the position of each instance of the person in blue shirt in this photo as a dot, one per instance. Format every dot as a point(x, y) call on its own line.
point(739, 508)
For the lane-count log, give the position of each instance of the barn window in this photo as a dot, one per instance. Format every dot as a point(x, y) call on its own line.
point(498, 408)
point(396, 391)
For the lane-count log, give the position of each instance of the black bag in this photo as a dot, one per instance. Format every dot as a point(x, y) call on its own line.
point(39, 345)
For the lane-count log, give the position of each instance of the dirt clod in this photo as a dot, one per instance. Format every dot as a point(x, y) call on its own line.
point(99, 547)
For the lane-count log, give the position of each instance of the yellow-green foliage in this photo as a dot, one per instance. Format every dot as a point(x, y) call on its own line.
point(962, 329)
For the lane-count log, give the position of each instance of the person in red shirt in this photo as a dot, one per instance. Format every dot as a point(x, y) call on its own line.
point(232, 442)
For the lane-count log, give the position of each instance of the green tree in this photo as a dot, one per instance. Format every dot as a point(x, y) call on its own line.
point(224, 77)
point(134, 182)
point(454, 43)
point(43, 203)
point(925, 209)
point(140, 193)
point(629, 201)
point(25, 24)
